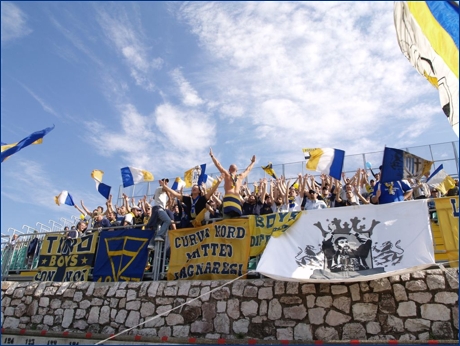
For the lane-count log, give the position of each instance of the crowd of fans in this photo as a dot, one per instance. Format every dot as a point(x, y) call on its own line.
point(169, 209)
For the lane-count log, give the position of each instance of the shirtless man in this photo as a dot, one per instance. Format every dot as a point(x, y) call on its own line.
point(232, 184)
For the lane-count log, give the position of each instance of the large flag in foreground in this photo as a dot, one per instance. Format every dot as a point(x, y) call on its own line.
point(102, 188)
point(399, 164)
point(325, 160)
point(440, 180)
point(427, 33)
point(132, 175)
point(351, 244)
point(34, 138)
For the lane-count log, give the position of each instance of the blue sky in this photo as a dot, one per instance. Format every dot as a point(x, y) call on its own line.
point(153, 85)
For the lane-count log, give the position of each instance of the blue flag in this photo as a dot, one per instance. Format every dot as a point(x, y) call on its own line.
point(121, 255)
point(8, 150)
point(399, 164)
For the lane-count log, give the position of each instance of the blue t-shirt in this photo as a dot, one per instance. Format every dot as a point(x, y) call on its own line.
point(392, 191)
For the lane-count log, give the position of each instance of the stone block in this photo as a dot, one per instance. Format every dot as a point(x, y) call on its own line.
point(11, 322)
point(311, 301)
point(284, 334)
point(265, 293)
point(290, 300)
point(442, 331)
point(250, 292)
point(334, 318)
point(104, 316)
point(181, 331)
point(222, 324)
point(355, 292)
point(435, 282)
point(292, 288)
point(303, 332)
point(233, 308)
point(420, 297)
point(249, 308)
point(147, 309)
point(279, 287)
point(399, 292)
point(274, 309)
point(295, 312)
point(307, 289)
point(174, 319)
point(324, 301)
point(435, 312)
point(373, 328)
point(353, 331)
point(208, 311)
point(416, 285)
point(364, 311)
point(241, 326)
point(446, 298)
point(343, 304)
point(316, 316)
point(407, 309)
point(326, 334)
point(132, 319)
point(417, 325)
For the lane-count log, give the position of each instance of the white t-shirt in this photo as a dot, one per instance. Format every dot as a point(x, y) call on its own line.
point(318, 204)
point(129, 218)
point(160, 197)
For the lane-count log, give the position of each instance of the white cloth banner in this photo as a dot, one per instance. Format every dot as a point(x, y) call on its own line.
point(356, 243)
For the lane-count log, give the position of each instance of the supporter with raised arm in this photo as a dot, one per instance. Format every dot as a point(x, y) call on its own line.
point(281, 198)
point(194, 203)
point(268, 206)
point(232, 183)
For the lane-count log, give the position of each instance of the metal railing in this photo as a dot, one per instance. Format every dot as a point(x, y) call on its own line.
point(441, 153)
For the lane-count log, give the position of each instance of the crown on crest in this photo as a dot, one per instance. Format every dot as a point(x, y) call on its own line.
point(336, 226)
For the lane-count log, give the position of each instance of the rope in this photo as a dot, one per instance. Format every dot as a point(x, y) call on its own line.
point(441, 266)
point(177, 307)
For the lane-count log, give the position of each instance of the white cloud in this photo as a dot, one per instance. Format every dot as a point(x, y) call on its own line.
point(44, 105)
point(14, 22)
point(145, 141)
point(190, 96)
point(129, 42)
point(320, 72)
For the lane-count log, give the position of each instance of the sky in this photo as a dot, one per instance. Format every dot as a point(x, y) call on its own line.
point(154, 85)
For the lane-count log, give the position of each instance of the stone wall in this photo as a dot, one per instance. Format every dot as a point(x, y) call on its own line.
point(418, 306)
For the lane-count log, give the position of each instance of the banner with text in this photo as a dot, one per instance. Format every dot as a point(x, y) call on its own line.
point(267, 225)
point(217, 251)
point(66, 259)
point(358, 243)
point(121, 255)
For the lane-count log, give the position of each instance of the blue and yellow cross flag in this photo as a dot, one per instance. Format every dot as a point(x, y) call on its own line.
point(34, 138)
point(121, 255)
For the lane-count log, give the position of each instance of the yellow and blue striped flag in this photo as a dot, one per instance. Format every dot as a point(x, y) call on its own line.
point(34, 138)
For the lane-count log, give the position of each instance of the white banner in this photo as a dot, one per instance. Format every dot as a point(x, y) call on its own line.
point(356, 243)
